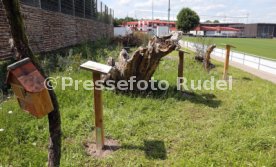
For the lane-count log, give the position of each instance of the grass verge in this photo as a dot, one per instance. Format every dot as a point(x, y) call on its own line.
point(209, 128)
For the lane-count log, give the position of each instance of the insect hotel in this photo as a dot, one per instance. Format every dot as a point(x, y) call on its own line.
point(28, 86)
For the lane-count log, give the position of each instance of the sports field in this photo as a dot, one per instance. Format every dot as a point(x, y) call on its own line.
point(260, 47)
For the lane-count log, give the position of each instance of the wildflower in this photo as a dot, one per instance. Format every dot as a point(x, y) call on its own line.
point(2, 130)
point(10, 112)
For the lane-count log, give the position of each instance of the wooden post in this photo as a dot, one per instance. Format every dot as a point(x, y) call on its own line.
point(97, 70)
point(226, 63)
point(98, 108)
point(181, 67)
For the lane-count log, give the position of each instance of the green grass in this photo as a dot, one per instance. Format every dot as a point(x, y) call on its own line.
point(259, 47)
point(210, 128)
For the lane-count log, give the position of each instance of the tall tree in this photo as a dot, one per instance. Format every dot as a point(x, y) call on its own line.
point(208, 21)
point(216, 21)
point(22, 49)
point(120, 21)
point(187, 19)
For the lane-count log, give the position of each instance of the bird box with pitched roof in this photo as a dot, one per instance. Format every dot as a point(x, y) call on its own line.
point(28, 86)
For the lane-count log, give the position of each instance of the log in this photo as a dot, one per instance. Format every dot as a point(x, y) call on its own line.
point(207, 64)
point(144, 61)
point(205, 59)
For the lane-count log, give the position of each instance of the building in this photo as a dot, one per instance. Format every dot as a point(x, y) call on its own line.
point(217, 31)
point(150, 25)
point(256, 30)
point(259, 30)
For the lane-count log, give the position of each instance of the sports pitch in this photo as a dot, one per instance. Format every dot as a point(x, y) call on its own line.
point(260, 47)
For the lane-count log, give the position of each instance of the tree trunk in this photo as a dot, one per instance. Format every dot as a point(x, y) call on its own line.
point(144, 62)
point(207, 64)
point(22, 50)
point(205, 59)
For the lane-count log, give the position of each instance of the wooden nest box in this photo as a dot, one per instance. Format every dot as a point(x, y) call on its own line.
point(28, 86)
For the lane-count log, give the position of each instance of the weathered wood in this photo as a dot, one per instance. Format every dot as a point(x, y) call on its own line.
point(181, 67)
point(144, 61)
point(205, 59)
point(226, 63)
point(207, 63)
point(180, 64)
point(22, 50)
point(98, 108)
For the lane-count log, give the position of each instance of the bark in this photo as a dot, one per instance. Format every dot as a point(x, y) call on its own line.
point(205, 59)
point(207, 64)
point(144, 61)
point(22, 50)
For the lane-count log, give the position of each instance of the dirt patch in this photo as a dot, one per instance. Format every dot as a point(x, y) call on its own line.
point(109, 147)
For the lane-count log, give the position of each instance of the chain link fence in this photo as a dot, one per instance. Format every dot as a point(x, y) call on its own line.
point(89, 9)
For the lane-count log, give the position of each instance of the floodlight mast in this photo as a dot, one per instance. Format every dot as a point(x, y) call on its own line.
point(152, 12)
point(169, 11)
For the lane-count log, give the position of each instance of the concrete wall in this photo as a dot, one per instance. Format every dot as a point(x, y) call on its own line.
point(48, 31)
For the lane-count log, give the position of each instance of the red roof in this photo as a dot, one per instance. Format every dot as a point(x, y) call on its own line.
point(161, 22)
point(218, 28)
point(132, 23)
point(173, 28)
point(150, 21)
point(26, 75)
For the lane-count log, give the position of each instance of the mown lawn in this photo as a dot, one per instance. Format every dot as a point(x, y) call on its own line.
point(259, 47)
point(208, 128)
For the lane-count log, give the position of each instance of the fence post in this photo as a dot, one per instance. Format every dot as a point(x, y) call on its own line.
point(59, 6)
point(83, 8)
point(101, 15)
point(73, 1)
point(111, 19)
point(96, 5)
point(93, 9)
point(113, 15)
point(226, 63)
point(39, 4)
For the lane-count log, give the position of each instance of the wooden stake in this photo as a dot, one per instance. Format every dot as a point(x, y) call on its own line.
point(226, 64)
point(98, 107)
point(97, 70)
point(181, 67)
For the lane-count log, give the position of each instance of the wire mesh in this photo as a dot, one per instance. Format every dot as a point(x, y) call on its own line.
point(51, 5)
point(89, 9)
point(67, 7)
point(79, 8)
point(94, 7)
point(35, 3)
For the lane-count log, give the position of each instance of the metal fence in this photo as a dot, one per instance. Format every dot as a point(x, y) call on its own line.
point(253, 61)
point(89, 9)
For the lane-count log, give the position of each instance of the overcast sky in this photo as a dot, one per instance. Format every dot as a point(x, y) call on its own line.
point(224, 10)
